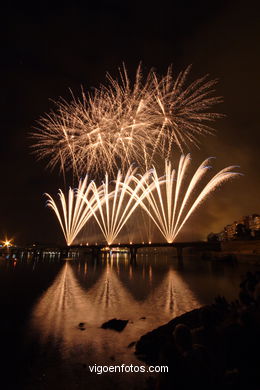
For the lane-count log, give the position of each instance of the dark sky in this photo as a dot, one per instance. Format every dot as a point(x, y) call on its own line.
point(48, 49)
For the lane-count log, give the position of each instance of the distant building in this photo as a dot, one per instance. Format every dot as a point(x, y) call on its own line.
point(246, 227)
point(253, 222)
point(230, 231)
point(222, 236)
point(213, 237)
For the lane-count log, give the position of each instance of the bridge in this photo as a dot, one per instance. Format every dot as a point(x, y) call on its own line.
point(133, 247)
point(96, 249)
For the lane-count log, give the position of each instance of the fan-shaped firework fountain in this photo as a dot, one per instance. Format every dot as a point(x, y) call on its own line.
point(169, 200)
point(171, 205)
point(115, 207)
point(75, 212)
point(122, 123)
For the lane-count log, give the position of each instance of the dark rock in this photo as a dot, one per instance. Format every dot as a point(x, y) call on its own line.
point(115, 324)
point(142, 318)
point(81, 326)
point(131, 344)
point(148, 347)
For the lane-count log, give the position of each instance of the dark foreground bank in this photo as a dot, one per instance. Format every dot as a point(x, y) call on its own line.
point(217, 346)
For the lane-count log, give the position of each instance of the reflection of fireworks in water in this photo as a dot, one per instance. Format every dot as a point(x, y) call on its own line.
point(75, 212)
point(173, 296)
point(122, 123)
point(65, 304)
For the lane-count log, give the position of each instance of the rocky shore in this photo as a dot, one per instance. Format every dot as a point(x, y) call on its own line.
point(149, 346)
point(221, 340)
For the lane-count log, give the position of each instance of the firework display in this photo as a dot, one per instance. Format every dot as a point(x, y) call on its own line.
point(122, 123)
point(168, 200)
point(75, 212)
point(115, 207)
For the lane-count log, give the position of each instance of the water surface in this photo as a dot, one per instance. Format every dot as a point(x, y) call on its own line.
point(44, 301)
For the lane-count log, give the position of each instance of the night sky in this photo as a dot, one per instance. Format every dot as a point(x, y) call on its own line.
point(48, 49)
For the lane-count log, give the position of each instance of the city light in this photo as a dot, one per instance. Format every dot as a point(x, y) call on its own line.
point(7, 242)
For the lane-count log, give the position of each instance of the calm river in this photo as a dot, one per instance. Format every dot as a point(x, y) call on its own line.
point(44, 301)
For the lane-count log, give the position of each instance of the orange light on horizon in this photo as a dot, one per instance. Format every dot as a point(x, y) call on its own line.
point(7, 243)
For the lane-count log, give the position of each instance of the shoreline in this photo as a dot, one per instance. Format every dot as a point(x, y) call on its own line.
point(227, 332)
point(148, 347)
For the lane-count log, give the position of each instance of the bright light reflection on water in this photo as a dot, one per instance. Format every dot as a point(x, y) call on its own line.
point(66, 303)
point(148, 294)
point(91, 293)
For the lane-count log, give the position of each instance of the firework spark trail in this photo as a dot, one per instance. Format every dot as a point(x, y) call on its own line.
point(180, 111)
point(115, 207)
point(121, 123)
point(170, 209)
point(75, 212)
point(167, 200)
